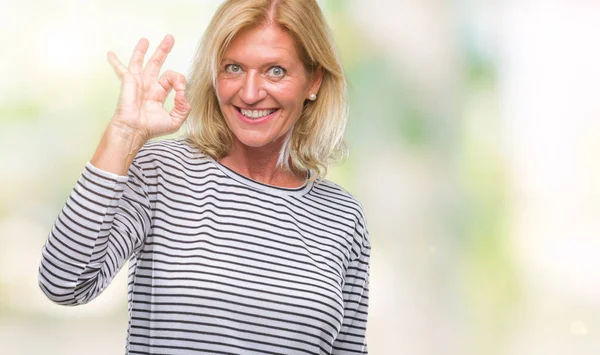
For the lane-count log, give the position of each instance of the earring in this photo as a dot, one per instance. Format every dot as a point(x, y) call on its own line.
point(312, 97)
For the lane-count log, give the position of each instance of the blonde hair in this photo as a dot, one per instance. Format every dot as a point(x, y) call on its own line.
point(316, 140)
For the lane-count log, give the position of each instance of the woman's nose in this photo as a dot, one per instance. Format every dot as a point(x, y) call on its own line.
point(253, 88)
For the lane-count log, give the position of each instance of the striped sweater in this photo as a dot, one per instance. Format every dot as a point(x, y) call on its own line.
point(218, 263)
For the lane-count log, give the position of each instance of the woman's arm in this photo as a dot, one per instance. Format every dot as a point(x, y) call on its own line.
point(102, 224)
point(107, 215)
point(352, 336)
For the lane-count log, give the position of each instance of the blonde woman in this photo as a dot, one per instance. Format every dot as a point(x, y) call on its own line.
point(236, 241)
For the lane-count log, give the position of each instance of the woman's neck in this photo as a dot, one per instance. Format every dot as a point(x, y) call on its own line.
point(260, 164)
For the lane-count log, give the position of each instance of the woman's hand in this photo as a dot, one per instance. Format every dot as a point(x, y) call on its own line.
point(140, 113)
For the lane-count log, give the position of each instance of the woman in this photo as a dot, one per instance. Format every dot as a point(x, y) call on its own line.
point(236, 242)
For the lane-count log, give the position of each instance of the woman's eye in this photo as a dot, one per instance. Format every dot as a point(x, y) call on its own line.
point(277, 72)
point(233, 68)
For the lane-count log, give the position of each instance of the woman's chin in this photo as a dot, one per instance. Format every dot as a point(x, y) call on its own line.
point(256, 140)
point(255, 143)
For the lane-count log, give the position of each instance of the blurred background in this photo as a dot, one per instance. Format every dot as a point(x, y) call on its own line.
point(475, 150)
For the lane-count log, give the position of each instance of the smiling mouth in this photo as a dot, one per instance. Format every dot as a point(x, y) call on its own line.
point(255, 114)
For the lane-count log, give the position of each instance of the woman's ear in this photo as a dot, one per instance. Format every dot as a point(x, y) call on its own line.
point(315, 81)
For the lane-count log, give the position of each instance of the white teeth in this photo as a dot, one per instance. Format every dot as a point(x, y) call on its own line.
point(256, 113)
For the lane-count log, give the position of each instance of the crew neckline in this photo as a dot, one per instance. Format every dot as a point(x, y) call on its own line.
point(278, 190)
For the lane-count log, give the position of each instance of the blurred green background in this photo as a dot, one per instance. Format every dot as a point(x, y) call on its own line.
point(475, 142)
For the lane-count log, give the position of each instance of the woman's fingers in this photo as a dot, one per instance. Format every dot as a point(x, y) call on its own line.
point(182, 107)
point(172, 80)
point(118, 67)
point(158, 58)
point(136, 63)
point(139, 81)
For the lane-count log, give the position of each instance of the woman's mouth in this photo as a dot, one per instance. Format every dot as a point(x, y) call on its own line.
point(256, 116)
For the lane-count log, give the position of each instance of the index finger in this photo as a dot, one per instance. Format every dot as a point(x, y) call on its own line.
point(158, 58)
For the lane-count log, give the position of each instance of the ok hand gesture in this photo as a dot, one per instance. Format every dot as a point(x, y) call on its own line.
point(140, 112)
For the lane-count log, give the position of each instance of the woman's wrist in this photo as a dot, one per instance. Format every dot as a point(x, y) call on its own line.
point(117, 149)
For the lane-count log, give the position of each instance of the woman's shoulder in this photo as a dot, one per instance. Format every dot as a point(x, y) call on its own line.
point(335, 192)
point(179, 146)
point(176, 153)
point(348, 206)
point(335, 195)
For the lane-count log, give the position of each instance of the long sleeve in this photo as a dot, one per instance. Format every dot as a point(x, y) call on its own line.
point(352, 336)
point(102, 224)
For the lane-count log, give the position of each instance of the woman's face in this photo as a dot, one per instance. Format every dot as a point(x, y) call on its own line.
point(262, 86)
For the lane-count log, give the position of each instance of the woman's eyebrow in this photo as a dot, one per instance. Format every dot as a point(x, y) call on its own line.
point(226, 59)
